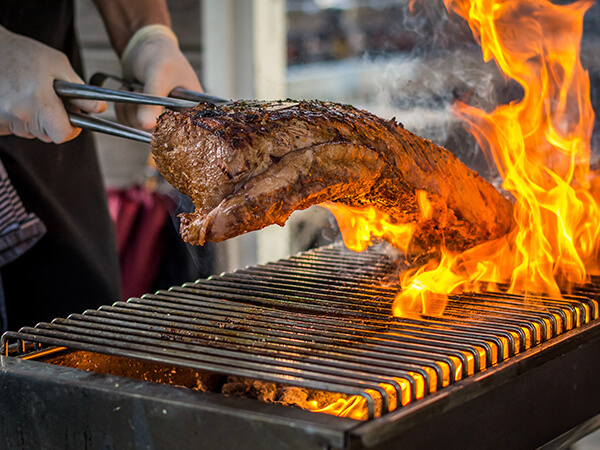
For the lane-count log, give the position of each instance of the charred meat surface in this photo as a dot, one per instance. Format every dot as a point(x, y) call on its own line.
point(250, 165)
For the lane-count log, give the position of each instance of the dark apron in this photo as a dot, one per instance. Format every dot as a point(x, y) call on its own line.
point(75, 265)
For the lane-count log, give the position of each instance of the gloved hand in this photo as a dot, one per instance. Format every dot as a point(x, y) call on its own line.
point(153, 58)
point(29, 107)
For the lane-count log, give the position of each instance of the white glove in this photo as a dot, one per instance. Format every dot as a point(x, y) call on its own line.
point(153, 58)
point(29, 107)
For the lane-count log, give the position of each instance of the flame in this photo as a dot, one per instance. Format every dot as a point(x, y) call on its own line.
point(355, 406)
point(352, 407)
point(411, 6)
point(541, 147)
point(359, 226)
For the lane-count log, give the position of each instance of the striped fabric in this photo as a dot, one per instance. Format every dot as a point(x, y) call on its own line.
point(19, 230)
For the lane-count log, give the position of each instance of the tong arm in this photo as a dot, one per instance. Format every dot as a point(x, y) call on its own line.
point(66, 89)
point(186, 94)
point(99, 78)
point(81, 120)
point(179, 98)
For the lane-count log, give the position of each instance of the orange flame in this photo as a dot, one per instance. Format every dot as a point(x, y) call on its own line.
point(355, 406)
point(360, 226)
point(411, 6)
point(541, 147)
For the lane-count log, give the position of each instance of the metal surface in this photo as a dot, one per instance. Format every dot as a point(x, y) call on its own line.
point(321, 321)
point(318, 321)
point(100, 125)
point(525, 402)
point(99, 78)
point(54, 407)
point(521, 403)
point(67, 90)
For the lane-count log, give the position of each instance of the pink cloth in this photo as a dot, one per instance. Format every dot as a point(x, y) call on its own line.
point(139, 216)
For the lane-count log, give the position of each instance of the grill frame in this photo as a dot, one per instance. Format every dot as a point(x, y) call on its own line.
point(456, 413)
point(76, 409)
point(462, 403)
point(60, 407)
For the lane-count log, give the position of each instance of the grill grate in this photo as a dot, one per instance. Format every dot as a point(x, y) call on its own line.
point(319, 320)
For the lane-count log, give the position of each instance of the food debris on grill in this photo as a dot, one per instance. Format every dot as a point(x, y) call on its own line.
point(264, 391)
point(137, 369)
point(249, 165)
point(309, 399)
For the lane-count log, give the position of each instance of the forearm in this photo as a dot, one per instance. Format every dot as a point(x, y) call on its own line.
point(123, 18)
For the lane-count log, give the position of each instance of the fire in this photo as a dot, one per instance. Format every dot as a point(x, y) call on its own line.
point(540, 145)
point(355, 406)
point(359, 226)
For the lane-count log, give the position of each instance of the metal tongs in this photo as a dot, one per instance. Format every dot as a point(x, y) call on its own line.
point(179, 98)
point(99, 78)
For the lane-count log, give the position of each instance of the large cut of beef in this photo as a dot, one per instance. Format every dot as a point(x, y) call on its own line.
point(249, 165)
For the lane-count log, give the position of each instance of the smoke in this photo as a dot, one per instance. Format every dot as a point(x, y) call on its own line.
point(436, 30)
point(443, 65)
point(184, 262)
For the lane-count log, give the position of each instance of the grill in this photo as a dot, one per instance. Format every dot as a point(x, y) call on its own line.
point(495, 369)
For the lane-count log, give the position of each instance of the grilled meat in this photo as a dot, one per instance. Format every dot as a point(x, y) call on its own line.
point(249, 165)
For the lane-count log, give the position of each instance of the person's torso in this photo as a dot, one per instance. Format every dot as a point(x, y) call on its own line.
point(47, 21)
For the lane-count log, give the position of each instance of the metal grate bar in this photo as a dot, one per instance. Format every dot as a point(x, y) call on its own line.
point(329, 330)
point(319, 320)
point(468, 337)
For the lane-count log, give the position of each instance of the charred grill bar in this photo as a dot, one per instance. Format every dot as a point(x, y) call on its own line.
point(492, 370)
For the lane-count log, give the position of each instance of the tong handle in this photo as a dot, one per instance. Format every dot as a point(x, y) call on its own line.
point(66, 89)
point(99, 78)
